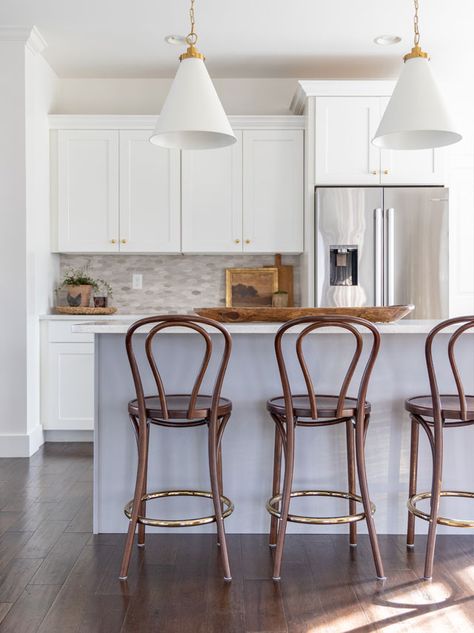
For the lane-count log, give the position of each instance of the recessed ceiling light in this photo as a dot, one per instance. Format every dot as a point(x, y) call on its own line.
point(387, 40)
point(176, 40)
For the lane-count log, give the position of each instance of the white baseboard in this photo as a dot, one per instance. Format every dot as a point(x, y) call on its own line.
point(21, 444)
point(68, 436)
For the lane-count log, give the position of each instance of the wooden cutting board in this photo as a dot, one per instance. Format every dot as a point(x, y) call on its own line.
point(386, 314)
point(285, 279)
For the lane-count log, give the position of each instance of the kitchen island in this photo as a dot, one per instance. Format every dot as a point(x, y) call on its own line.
point(178, 457)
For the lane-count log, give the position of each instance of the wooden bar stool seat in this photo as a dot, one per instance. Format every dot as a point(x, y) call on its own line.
point(450, 408)
point(434, 414)
point(178, 411)
point(178, 407)
point(327, 408)
point(312, 409)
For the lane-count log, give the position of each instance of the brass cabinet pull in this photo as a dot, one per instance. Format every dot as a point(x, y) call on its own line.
point(374, 172)
point(247, 241)
point(113, 241)
point(123, 241)
point(386, 172)
point(237, 241)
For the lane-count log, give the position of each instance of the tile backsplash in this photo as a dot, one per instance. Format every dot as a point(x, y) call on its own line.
point(171, 281)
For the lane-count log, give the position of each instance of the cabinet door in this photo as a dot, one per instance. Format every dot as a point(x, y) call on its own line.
point(212, 199)
point(68, 387)
point(344, 154)
point(88, 189)
point(149, 195)
point(411, 167)
point(273, 191)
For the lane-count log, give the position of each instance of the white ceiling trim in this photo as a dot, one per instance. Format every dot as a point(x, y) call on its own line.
point(148, 122)
point(29, 35)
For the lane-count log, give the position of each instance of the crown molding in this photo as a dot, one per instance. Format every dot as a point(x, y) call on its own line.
point(148, 122)
point(339, 88)
point(29, 36)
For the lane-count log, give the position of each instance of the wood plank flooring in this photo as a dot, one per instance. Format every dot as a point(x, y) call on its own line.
point(56, 577)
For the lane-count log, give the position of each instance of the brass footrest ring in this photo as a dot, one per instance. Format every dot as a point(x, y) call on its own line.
point(229, 508)
point(463, 523)
point(273, 503)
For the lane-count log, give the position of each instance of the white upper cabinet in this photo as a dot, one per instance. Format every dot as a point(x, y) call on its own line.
point(149, 195)
point(410, 167)
point(345, 155)
point(87, 192)
point(344, 129)
point(212, 199)
point(273, 191)
point(115, 192)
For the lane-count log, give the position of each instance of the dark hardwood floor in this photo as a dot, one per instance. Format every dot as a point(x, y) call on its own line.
point(56, 577)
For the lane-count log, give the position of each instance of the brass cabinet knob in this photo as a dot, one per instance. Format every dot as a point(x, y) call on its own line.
point(123, 241)
point(386, 172)
point(113, 241)
point(247, 241)
point(237, 241)
point(374, 172)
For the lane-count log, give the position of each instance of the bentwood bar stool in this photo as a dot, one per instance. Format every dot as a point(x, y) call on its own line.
point(310, 410)
point(434, 413)
point(178, 411)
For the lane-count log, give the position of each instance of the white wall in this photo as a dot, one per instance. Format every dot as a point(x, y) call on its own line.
point(42, 267)
point(26, 86)
point(146, 96)
point(12, 230)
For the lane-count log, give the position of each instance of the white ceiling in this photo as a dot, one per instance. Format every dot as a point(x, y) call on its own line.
point(244, 38)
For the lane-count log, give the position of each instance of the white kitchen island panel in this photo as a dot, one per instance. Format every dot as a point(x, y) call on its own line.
point(178, 457)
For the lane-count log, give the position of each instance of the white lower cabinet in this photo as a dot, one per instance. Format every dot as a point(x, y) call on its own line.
point(67, 378)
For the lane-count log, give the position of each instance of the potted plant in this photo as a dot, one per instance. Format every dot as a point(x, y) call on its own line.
point(102, 293)
point(280, 299)
point(79, 285)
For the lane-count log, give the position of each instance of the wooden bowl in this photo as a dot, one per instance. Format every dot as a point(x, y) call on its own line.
point(382, 314)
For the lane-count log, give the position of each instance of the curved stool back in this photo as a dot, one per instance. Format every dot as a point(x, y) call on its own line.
point(161, 323)
point(465, 324)
point(316, 323)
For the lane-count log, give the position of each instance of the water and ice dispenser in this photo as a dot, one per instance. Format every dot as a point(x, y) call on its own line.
point(343, 265)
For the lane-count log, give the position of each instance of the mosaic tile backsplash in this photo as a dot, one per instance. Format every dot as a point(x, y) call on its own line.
point(171, 281)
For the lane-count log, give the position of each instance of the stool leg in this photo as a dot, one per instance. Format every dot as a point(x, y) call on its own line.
point(137, 499)
point(220, 478)
point(141, 526)
point(435, 495)
point(361, 424)
point(213, 471)
point(351, 476)
point(285, 501)
point(276, 484)
point(415, 436)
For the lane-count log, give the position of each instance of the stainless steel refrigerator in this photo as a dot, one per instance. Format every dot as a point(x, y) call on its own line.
point(383, 246)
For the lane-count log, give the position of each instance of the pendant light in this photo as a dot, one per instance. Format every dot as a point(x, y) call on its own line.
point(192, 116)
point(416, 116)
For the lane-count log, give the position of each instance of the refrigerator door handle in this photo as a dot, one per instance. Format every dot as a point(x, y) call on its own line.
point(389, 257)
point(378, 256)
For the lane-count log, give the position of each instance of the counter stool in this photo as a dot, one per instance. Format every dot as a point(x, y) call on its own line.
point(178, 411)
point(435, 413)
point(310, 410)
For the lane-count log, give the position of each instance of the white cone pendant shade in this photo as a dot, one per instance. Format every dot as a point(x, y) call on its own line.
point(192, 116)
point(416, 116)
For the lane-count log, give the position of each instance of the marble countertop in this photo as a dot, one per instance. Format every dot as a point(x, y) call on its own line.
point(119, 326)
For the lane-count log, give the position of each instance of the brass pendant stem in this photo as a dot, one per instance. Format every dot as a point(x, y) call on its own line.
point(416, 51)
